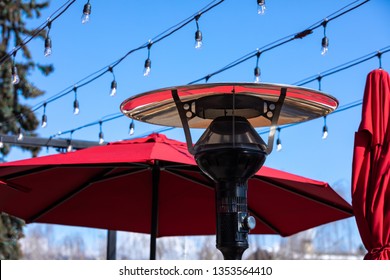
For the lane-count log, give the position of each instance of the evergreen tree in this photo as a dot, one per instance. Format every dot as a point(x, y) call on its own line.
point(14, 115)
point(11, 230)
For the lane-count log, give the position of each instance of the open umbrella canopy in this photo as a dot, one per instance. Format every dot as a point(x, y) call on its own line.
point(111, 187)
point(370, 171)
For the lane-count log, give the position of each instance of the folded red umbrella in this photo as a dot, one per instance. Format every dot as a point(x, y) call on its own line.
point(370, 170)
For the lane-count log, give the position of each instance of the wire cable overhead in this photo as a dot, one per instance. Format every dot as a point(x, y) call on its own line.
point(92, 77)
point(54, 16)
point(147, 66)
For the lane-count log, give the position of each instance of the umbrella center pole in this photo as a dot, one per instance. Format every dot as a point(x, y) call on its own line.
point(233, 220)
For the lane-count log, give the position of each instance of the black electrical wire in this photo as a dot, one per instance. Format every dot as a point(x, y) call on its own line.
point(280, 42)
point(39, 29)
point(182, 24)
point(333, 71)
point(99, 73)
point(343, 67)
point(107, 118)
point(179, 26)
point(326, 73)
point(337, 14)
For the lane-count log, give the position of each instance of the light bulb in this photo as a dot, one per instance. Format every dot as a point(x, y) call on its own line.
point(69, 148)
point(1, 143)
point(15, 76)
point(324, 132)
point(131, 129)
point(261, 7)
point(44, 121)
point(198, 39)
point(86, 13)
point(278, 145)
point(85, 18)
point(47, 50)
point(148, 65)
point(325, 45)
point(20, 135)
point(257, 74)
point(113, 88)
point(76, 107)
point(101, 137)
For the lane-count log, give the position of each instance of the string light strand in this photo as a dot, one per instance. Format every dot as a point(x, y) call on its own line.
point(299, 35)
point(54, 16)
point(343, 66)
point(169, 32)
point(278, 43)
point(326, 73)
point(99, 73)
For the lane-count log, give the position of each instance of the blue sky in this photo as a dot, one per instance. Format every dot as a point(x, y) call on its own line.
point(230, 31)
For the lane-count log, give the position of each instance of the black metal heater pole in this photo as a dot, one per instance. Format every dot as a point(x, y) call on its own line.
point(231, 168)
point(232, 219)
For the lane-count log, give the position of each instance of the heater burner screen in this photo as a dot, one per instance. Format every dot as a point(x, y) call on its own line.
point(222, 105)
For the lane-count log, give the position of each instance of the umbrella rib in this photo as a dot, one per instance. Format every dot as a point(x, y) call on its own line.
point(187, 177)
point(106, 165)
point(17, 187)
point(184, 153)
point(37, 170)
point(190, 178)
point(21, 188)
point(264, 221)
point(308, 196)
point(26, 172)
point(173, 165)
point(68, 196)
point(195, 180)
point(120, 174)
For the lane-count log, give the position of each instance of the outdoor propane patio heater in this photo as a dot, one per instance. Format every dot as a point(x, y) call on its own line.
point(230, 151)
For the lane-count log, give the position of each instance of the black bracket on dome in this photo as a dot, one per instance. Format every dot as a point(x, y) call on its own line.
point(184, 121)
point(274, 119)
point(271, 112)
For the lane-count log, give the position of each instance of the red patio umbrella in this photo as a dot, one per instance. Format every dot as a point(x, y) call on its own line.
point(152, 185)
point(371, 163)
